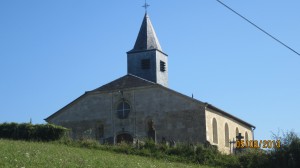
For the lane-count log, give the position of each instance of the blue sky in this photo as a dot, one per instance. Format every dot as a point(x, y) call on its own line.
point(51, 52)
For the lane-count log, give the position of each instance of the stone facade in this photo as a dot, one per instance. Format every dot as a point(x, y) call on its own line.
point(175, 116)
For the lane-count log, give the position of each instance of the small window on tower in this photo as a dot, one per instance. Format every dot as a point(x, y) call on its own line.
point(145, 63)
point(162, 66)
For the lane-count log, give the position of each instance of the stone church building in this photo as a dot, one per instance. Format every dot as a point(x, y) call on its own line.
point(140, 105)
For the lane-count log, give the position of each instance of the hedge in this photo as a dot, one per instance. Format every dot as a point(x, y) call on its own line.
point(27, 131)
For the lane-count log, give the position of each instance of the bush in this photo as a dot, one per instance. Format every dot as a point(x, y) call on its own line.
point(288, 155)
point(149, 144)
point(182, 149)
point(205, 155)
point(228, 161)
point(27, 131)
point(257, 158)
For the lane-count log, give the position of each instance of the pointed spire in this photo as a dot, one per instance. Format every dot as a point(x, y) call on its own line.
point(146, 39)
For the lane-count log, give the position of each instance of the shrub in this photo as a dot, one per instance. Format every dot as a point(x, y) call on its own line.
point(228, 161)
point(27, 131)
point(8, 130)
point(88, 143)
point(182, 149)
point(257, 158)
point(149, 144)
point(288, 155)
point(205, 155)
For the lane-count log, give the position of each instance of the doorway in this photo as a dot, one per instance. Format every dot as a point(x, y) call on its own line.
point(124, 137)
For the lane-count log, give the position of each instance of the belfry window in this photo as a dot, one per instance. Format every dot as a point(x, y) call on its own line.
point(123, 110)
point(162, 66)
point(145, 63)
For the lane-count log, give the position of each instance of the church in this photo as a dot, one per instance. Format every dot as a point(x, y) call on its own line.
point(140, 105)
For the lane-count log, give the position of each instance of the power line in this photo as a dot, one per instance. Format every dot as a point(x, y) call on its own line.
point(276, 39)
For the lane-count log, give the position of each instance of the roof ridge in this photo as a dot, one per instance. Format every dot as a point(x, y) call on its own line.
point(141, 78)
point(126, 81)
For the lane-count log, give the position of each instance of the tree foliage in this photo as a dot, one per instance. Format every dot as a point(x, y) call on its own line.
point(288, 155)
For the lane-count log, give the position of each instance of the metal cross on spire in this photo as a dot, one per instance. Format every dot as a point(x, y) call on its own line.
point(145, 6)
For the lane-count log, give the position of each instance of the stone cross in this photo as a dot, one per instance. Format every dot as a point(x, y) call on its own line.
point(239, 137)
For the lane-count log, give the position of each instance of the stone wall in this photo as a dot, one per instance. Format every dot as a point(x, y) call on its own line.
point(134, 65)
point(174, 116)
point(153, 73)
point(221, 121)
point(162, 77)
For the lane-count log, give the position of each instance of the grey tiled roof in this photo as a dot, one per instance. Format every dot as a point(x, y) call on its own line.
point(229, 115)
point(127, 81)
point(147, 38)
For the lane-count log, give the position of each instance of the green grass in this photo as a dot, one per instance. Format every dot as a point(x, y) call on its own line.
point(38, 154)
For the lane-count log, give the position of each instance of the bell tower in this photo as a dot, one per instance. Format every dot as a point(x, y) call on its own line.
point(147, 60)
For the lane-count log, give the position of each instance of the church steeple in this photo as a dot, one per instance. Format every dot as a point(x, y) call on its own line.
point(147, 38)
point(146, 59)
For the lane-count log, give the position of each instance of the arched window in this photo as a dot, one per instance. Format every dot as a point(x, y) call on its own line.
point(226, 135)
point(237, 131)
point(123, 110)
point(246, 136)
point(215, 131)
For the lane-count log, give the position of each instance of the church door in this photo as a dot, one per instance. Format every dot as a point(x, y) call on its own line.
point(125, 137)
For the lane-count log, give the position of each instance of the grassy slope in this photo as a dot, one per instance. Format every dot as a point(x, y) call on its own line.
point(33, 154)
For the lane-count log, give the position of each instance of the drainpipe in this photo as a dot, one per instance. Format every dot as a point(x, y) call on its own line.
point(253, 128)
point(112, 118)
point(205, 132)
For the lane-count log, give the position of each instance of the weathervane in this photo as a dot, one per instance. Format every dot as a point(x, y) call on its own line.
point(145, 6)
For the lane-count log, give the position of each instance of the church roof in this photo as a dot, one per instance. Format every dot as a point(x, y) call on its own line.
point(147, 39)
point(228, 114)
point(127, 81)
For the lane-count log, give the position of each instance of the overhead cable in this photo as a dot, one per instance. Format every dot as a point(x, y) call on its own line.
point(276, 39)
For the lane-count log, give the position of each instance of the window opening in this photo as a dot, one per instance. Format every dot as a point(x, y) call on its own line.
point(123, 110)
point(145, 63)
point(162, 66)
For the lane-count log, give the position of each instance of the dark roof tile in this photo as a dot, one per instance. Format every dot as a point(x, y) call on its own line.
point(127, 81)
point(147, 39)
